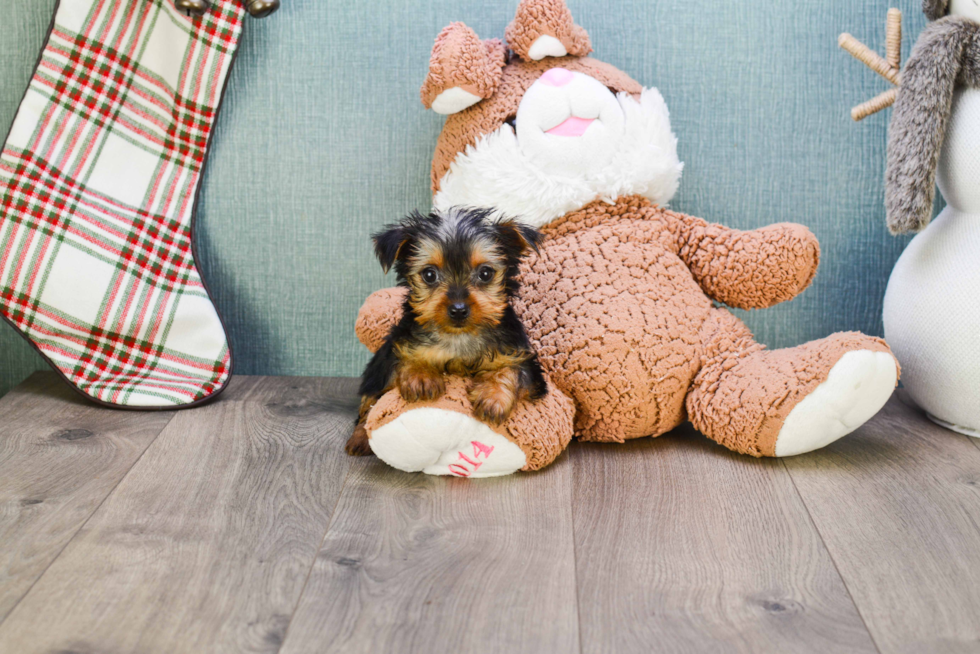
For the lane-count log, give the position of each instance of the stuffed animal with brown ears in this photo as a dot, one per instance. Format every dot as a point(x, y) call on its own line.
point(619, 301)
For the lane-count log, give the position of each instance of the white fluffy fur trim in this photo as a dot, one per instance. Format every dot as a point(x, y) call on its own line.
point(495, 173)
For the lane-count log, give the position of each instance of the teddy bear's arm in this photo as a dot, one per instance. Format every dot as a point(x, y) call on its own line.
point(748, 269)
point(379, 313)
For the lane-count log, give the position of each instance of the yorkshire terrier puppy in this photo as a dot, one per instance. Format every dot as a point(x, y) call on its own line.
point(460, 268)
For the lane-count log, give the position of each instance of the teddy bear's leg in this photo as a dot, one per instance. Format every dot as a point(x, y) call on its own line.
point(786, 402)
point(443, 438)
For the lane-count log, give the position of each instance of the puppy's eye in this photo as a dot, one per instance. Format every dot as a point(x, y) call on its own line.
point(430, 276)
point(486, 274)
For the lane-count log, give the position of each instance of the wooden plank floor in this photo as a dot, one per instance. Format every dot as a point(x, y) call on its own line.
point(242, 527)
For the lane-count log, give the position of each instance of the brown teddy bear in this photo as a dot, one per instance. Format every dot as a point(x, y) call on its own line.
point(619, 300)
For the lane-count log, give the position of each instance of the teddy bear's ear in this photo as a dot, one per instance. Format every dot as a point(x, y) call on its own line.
point(935, 9)
point(462, 70)
point(544, 28)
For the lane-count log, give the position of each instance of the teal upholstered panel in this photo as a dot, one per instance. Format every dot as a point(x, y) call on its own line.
point(323, 139)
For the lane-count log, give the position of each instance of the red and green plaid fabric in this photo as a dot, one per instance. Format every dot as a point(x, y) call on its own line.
point(97, 186)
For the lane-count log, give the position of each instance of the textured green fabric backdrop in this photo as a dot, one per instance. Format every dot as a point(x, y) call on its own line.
point(323, 139)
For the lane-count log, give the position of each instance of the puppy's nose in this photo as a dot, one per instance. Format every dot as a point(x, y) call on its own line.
point(557, 77)
point(459, 311)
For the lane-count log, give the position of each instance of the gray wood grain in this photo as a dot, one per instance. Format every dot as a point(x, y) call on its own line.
point(975, 441)
point(60, 456)
point(682, 546)
point(422, 564)
point(224, 533)
point(898, 505)
point(206, 544)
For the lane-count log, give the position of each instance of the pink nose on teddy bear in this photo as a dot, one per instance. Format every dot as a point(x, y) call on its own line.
point(557, 77)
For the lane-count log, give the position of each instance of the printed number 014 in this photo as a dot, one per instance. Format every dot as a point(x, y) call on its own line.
point(467, 466)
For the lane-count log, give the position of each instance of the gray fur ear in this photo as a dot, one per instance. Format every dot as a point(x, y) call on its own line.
point(935, 9)
point(918, 125)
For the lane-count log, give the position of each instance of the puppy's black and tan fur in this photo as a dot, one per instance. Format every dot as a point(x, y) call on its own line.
point(460, 268)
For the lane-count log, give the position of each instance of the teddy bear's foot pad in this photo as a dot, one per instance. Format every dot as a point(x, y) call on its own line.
point(856, 388)
point(440, 442)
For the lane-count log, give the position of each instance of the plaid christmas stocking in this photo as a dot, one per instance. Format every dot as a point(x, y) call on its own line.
point(98, 181)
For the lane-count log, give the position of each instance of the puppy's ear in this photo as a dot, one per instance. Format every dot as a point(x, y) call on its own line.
point(518, 238)
point(388, 245)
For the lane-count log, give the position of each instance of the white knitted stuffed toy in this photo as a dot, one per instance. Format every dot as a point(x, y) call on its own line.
point(931, 309)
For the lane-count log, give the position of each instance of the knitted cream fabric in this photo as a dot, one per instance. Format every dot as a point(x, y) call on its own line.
point(958, 171)
point(932, 318)
point(932, 312)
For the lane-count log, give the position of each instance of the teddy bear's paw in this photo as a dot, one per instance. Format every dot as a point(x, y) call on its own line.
point(441, 442)
point(856, 388)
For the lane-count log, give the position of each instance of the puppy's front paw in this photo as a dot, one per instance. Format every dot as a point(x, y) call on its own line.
point(492, 402)
point(420, 385)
